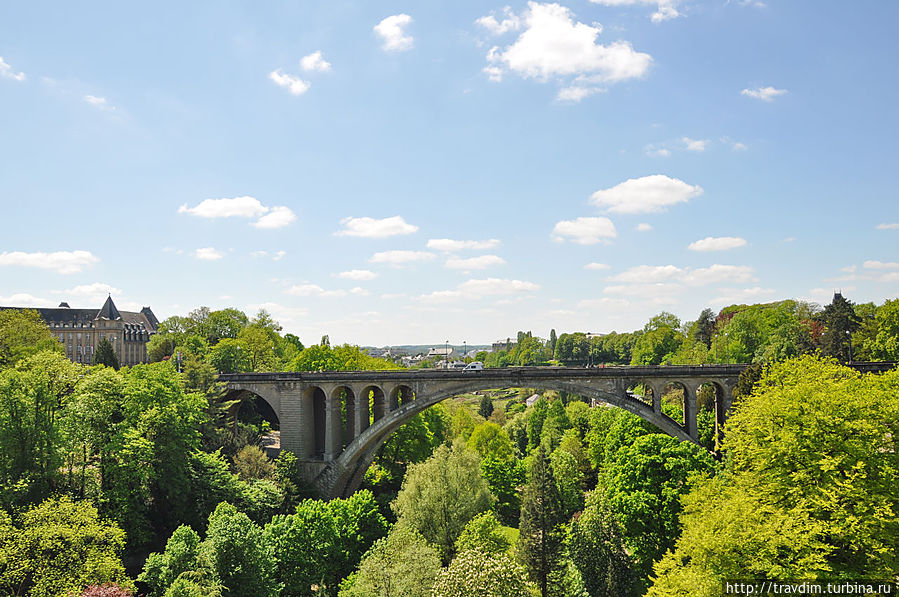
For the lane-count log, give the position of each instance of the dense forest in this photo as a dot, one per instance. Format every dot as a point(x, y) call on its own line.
point(147, 481)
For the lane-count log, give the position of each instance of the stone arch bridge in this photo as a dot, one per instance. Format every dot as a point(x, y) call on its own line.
point(335, 421)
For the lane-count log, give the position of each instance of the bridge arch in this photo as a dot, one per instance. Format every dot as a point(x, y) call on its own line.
point(343, 476)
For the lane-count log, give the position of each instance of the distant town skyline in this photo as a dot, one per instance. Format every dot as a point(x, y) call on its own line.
point(404, 173)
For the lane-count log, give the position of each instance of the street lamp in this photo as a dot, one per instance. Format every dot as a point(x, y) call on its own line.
point(446, 354)
point(464, 349)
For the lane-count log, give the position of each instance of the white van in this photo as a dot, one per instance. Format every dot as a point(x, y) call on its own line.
point(474, 366)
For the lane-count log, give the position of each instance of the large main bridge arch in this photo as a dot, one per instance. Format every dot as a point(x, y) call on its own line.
point(335, 422)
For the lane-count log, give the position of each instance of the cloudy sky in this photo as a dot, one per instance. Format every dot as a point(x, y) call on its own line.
point(414, 172)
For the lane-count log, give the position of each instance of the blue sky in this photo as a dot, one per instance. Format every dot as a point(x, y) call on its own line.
point(414, 172)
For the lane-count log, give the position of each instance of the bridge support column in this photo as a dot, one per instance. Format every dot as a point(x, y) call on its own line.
point(295, 422)
point(657, 397)
point(333, 424)
point(362, 417)
point(690, 410)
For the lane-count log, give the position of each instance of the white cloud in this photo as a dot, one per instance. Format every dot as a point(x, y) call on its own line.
point(293, 84)
point(449, 245)
point(242, 207)
point(730, 296)
point(7, 72)
point(359, 291)
point(372, 228)
point(313, 290)
point(480, 262)
point(667, 9)
point(63, 262)
point(554, 45)
point(892, 226)
point(99, 102)
point(278, 217)
point(597, 266)
point(510, 22)
point(643, 290)
point(279, 255)
point(766, 94)
point(576, 93)
point(401, 257)
point(208, 254)
point(652, 274)
point(737, 146)
point(719, 243)
point(392, 32)
point(603, 303)
point(657, 152)
point(495, 286)
point(880, 265)
point(315, 62)
point(22, 299)
point(694, 144)
point(585, 231)
point(645, 195)
point(718, 273)
point(239, 207)
point(647, 274)
point(95, 289)
point(358, 274)
point(644, 227)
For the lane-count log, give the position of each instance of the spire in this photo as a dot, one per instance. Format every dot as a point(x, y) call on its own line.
point(109, 311)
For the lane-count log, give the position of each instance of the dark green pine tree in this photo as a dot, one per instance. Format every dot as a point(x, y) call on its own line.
point(486, 408)
point(839, 321)
point(542, 519)
point(553, 339)
point(105, 354)
point(705, 327)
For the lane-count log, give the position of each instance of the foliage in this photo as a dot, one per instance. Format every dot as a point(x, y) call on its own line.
point(440, 495)
point(252, 463)
point(885, 344)
point(483, 533)
point(239, 554)
point(811, 490)
point(181, 555)
point(477, 574)
point(60, 546)
point(596, 546)
point(839, 321)
point(323, 542)
point(569, 480)
point(644, 483)
point(401, 564)
point(105, 354)
point(486, 407)
point(22, 334)
point(505, 477)
point(490, 440)
point(413, 442)
point(541, 541)
point(106, 590)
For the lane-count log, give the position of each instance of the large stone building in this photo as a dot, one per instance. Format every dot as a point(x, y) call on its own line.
point(80, 330)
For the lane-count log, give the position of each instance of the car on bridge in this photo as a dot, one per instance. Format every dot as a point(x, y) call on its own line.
point(474, 366)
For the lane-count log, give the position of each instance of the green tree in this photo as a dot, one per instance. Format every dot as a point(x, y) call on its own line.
point(401, 564)
point(239, 554)
point(486, 407)
point(227, 356)
point(811, 485)
point(23, 333)
point(644, 484)
point(61, 546)
point(477, 574)
point(490, 440)
point(440, 495)
point(541, 540)
point(483, 533)
point(323, 542)
point(553, 340)
point(105, 354)
point(596, 547)
point(840, 321)
point(704, 328)
point(885, 345)
point(181, 559)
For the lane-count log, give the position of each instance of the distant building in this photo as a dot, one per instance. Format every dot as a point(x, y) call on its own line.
point(443, 353)
point(80, 330)
point(506, 344)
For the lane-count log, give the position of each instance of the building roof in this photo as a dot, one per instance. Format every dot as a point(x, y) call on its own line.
point(64, 316)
